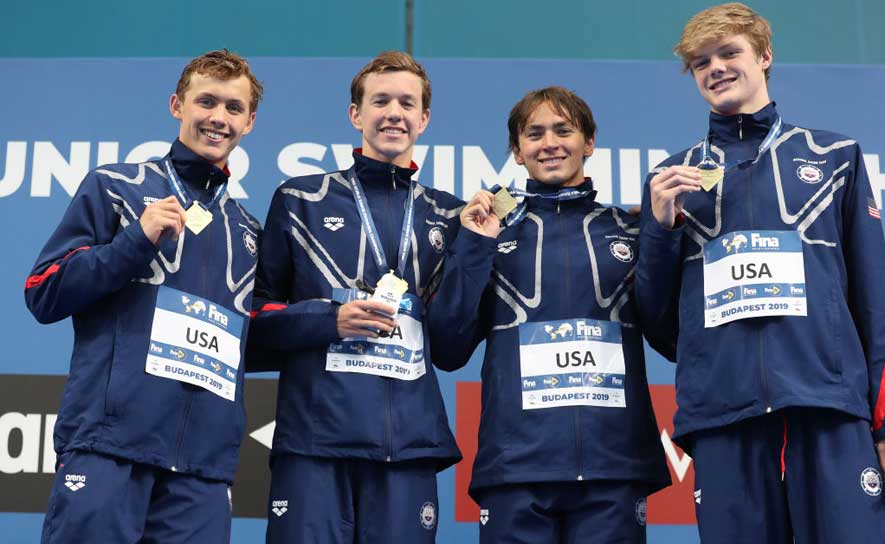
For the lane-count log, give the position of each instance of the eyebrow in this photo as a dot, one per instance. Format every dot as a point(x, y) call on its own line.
point(207, 94)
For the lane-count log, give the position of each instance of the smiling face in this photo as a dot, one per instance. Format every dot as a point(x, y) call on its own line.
point(391, 116)
point(730, 75)
point(552, 148)
point(214, 115)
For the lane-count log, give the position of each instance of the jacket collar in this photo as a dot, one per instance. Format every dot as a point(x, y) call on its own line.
point(371, 171)
point(744, 127)
point(194, 169)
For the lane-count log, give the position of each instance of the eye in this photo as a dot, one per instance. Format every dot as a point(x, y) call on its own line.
point(564, 131)
point(731, 53)
point(700, 64)
point(235, 107)
point(206, 101)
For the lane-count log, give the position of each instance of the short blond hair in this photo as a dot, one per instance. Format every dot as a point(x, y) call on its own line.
point(224, 65)
point(718, 22)
point(390, 61)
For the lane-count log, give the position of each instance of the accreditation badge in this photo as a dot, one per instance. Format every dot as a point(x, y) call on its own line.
point(753, 273)
point(390, 290)
point(196, 341)
point(398, 354)
point(572, 362)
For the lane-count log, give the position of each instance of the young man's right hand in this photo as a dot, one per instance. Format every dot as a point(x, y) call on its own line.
point(163, 217)
point(668, 190)
point(479, 216)
point(363, 318)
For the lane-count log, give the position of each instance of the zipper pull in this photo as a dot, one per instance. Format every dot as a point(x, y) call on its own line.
point(557, 206)
point(393, 177)
point(740, 127)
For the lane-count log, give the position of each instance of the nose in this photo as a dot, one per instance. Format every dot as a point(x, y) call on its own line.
point(394, 111)
point(717, 65)
point(218, 115)
point(549, 139)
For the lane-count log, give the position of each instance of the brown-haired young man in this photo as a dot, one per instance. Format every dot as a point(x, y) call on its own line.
point(346, 263)
point(152, 416)
point(568, 446)
point(759, 250)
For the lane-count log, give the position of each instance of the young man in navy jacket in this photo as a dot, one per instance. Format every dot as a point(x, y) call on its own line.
point(760, 248)
point(155, 264)
point(568, 445)
point(361, 429)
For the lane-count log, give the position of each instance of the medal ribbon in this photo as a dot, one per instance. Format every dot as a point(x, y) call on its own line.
point(773, 133)
point(181, 191)
point(405, 240)
point(518, 214)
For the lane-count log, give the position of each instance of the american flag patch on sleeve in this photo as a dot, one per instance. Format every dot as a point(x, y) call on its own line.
point(873, 209)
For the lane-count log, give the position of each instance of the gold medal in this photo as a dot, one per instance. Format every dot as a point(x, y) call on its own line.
point(198, 218)
point(503, 203)
point(711, 174)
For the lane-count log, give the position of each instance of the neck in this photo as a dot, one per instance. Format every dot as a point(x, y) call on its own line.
point(751, 106)
point(403, 160)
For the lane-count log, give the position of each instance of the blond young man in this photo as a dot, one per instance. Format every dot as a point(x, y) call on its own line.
point(759, 250)
point(152, 416)
point(346, 263)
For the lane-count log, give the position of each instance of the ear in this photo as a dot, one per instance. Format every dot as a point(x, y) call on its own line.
point(517, 156)
point(175, 106)
point(251, 124)
point(353, 112)
point(589, 146)
point(425, 120)
point(766, 58)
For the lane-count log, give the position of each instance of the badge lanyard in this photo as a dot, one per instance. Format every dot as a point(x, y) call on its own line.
point(517, 215)
point(180, 190)
point(405, 240)
point(773, 133)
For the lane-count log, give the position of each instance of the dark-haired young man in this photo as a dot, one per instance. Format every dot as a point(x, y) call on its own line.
point(568, 445)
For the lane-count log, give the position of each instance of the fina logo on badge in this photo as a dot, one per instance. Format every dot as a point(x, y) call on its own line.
point(437, 239)
point(871, 482)
point(622, 251)
point(428, 515)
point(810, 174)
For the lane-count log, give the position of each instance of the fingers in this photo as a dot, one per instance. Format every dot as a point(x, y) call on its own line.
point(686, 177)
point(164, 216)
point(365, 318)
point(479, 213)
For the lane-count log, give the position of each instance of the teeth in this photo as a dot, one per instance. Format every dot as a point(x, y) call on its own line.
point(213, 135)
point(392, 130)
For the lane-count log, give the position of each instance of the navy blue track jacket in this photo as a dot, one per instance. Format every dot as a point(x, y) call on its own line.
point(565, 260)
point(314, 241)
point(100, 268)
point(810, 181)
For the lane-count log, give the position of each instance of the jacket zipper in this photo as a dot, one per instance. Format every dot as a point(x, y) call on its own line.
point(568, 296)
point(740, 127)
point(389, 456)
point(762, 369)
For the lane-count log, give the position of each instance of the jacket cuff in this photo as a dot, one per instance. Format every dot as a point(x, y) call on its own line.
point(474, 250)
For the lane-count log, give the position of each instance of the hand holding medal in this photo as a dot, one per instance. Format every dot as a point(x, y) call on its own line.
point(668, 190)
point(484, 212)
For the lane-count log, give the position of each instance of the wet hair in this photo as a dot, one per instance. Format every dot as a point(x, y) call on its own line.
point(224, 65)
point(563, 101)
point(390, 61)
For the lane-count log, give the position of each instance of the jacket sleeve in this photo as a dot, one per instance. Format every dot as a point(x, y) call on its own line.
point(279, 324)
point(88, 257)
point(864, 253)
point(457, 314)
point(658, 280)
